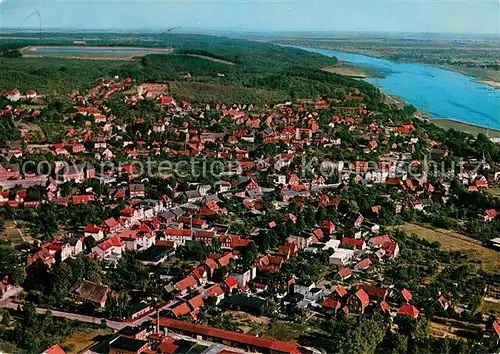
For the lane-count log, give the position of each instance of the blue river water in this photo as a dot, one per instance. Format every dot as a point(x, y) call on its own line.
point(442, 93)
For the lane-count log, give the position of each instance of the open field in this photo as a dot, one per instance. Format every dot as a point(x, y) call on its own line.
point(441, 330)
point(84, 52)
point(450, 240)
point(11, 234)
point(345, 70)
point(448, 123)
point(84, 339)
point(215, 60)
point(488, 306)
point(357, 72)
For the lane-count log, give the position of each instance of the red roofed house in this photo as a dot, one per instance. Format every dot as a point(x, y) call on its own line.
point(353, 243)
point(200, 274)
point(359, 301)
point(179, 236)
point(345, 273)
point(55, 349)
point(490, 215)
point(214, 291)
point(111, 248)
point(225, 259)
point(44, 256)
point(443, 302)
point(248, 342)
point(408, 310)
point(496, 329)
point(407, 296)
point(328, 226)
point(338, 293)
point(210, 266)
point(331, 305)
point(181, 310)
point(378, 241)
point(481, 182)
point(363, 265)
point(391, 250)
point(185, 284)
point(196, 302)
point(205, 237)
point(385, 307)
point(111, 226)
point(229, 284)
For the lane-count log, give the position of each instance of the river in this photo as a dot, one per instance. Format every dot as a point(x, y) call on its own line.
point(442, 93)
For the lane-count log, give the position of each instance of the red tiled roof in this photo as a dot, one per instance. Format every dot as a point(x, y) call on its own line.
point(379, 240)
point(214, 290)
point(181, 310)
point(349, 241)
point(365, 263)
point(55, 349)
point(167, 348)
point(253, 341)
point(231, 282)
point(211, 263)
point(224, 260)
point(114, 241)
point(178, 232)
point(345, 272)
point(196, 302)
point(496, 327)
point(384, 306)
point(492, 213)
point(390, 247)
point(111, 223)
point(340, 290)
point(199, 273)
point(406, 294)
point(186, 283)
point(408, 310)
point(331, 303)
point(373, 291)
point(363, 297)
point(92, 229)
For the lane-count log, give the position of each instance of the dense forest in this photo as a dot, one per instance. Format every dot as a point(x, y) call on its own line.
point(244, 66)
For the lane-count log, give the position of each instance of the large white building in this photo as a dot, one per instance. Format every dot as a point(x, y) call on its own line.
point(341, 256)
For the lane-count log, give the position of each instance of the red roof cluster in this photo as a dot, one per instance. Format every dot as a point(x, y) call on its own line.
point(252, 341)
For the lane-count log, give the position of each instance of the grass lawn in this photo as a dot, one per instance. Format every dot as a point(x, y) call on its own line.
point(284, 331)
point(450, 240)
point(11, 233)
point(83, 339)
point(464, 127)
point(6, 347)
point(494, 190)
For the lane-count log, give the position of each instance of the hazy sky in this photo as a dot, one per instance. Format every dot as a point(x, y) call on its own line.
point(458, 16)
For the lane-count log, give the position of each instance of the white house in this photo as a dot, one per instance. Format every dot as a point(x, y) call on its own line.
point(341, 256)
point(244, 276)
point(94, 231)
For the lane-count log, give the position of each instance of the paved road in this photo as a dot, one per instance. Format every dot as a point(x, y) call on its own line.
point(6, 303)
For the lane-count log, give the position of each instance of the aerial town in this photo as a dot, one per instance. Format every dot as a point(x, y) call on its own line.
point(270, 229)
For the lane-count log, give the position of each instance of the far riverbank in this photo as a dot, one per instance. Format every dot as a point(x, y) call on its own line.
point(449, 123)
point(439, 92)
point(482, 76)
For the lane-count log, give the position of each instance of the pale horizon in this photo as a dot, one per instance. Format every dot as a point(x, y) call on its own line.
point(382, 16)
